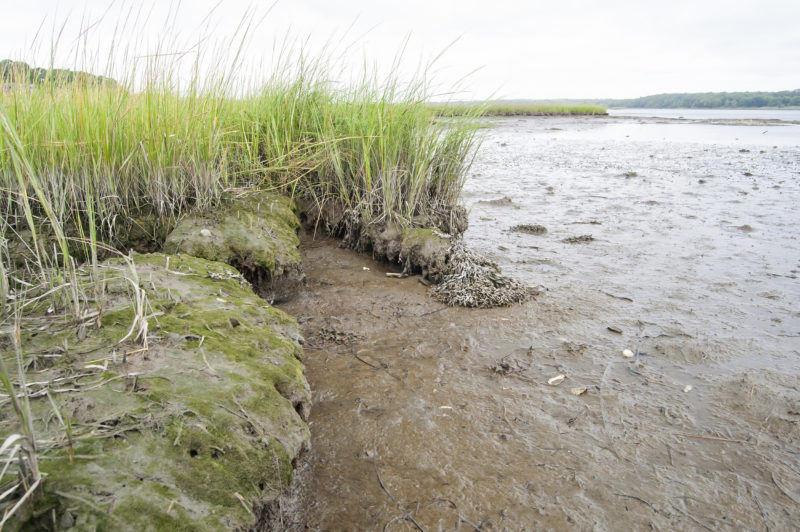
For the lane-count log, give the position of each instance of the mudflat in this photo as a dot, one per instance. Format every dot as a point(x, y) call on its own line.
point(431, 417)
point(652, 383)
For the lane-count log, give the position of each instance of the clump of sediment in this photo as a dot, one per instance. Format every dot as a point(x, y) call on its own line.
point(475, 281)
point(460, 276)
point(256, 233)
point(531, 229)
point(582, 239)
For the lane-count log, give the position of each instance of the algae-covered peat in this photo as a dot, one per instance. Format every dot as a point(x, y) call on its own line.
point(196, 432)
point(256, 232)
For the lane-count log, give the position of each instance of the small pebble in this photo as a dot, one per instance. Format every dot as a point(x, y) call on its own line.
point(578, 391)
point(627, 353)
point(687, 388)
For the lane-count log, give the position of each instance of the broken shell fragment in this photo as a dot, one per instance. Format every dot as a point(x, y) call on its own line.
point(687, 388)
point(580, 390)
point(205, 232)
point(627, 353)
point(555, 381)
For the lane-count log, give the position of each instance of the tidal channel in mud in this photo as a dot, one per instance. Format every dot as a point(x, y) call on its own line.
point(435, 418)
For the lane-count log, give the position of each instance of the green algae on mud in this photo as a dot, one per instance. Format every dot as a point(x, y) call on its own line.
point(255, 232)
point(140, 231)
point(198, 432)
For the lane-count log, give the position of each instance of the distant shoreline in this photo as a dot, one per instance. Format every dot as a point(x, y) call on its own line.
point(768, 108)
point(784, 100)
point(509, 109)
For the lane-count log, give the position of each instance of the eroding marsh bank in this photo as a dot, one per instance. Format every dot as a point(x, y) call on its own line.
point(159, 389)
point(164, 389)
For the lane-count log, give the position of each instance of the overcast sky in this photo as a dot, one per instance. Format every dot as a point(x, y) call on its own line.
point(508, 49)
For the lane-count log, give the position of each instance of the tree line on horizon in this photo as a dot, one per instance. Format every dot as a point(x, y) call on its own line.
point(680, 100)
point(19, 72)
point(707, 100)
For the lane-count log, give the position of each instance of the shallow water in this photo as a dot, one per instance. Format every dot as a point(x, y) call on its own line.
point(787, 115)
point(434, 418)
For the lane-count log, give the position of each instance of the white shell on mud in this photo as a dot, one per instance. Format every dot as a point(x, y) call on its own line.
point(687, 388)
point(555, 381)
point(205, 232)
point(627, 353)
point(580, 390)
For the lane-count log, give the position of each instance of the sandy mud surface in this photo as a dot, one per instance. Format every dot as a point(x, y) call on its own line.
point(435, 418)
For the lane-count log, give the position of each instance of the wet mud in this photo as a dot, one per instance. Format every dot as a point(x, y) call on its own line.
point(694, 223)
point(412, 422)
point(428, 417)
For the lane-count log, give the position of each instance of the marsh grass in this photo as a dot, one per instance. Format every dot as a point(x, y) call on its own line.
point(513, 109)
point(82, 157)
point(94, 153)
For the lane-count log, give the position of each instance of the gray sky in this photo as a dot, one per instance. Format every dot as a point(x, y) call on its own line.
point(521, 49)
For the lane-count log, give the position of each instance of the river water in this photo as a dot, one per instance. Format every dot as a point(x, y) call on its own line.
point(785, 115)
point(434, 418)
